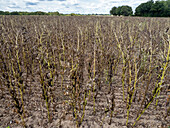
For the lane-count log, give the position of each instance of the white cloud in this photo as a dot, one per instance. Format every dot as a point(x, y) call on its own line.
point(67, 6)
point(72, 2)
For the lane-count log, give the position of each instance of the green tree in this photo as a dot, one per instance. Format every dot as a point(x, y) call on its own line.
point(6, 13)
point(113, 11)
point(118, 10)
point(54, 13)
point(144, 9)
point(1, 12)
point(122, 10)
point(126, 11)
point(14, 13)
point(72, 14)
point(166, 8)
point(39, 13)
point(158, 9)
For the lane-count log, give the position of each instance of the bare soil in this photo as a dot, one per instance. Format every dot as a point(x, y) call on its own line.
point(62, 116)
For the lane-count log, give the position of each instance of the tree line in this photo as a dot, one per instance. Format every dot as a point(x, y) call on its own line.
point(29, 13)
point(147, 9)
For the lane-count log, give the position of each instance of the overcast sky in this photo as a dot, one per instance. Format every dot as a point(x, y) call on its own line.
point(67, 6)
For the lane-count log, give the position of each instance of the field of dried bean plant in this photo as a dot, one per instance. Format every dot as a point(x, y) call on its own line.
point(84, 71)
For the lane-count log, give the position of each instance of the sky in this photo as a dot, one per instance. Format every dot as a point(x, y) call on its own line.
point(67, 6)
